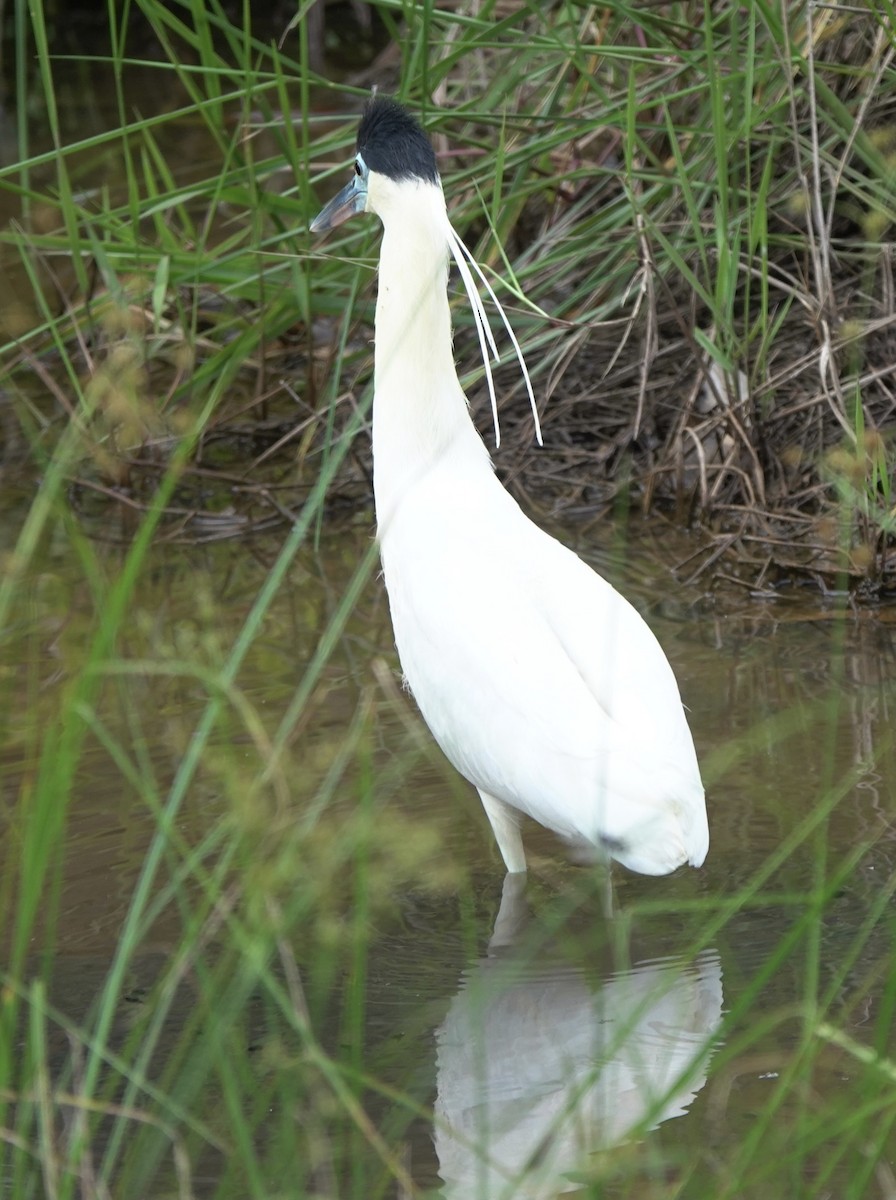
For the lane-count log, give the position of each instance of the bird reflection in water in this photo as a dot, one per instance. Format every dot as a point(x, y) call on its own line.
point(537, 1069)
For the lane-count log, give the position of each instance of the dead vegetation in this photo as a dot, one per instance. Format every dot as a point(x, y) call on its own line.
point(700, 259)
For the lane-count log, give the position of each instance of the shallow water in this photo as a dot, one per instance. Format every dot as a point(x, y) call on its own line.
point(542, 1023)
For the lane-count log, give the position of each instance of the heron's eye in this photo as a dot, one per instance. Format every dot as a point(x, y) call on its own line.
point(357, 167)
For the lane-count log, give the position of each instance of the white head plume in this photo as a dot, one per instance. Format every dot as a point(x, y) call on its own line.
point(462, 257)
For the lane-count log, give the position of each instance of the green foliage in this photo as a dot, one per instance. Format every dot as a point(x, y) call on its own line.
point(688, 206)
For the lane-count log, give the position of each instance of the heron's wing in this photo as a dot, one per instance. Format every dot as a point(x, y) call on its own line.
point(512, 708)
point(612, 647)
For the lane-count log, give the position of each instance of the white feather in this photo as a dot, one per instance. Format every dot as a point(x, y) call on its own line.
point(459, 253)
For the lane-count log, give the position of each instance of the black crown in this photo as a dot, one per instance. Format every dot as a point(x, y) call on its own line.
point(392, 143)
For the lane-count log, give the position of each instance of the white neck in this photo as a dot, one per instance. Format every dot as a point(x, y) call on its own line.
point(419, 409)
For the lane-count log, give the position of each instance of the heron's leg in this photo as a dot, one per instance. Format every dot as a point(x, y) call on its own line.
point(607, 895)
point(505, 825)
point(513, 915)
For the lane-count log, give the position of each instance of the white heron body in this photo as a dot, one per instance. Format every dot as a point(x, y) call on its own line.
point(542, 685)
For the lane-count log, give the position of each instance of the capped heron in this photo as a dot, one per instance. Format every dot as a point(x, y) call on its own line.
point(541, 683)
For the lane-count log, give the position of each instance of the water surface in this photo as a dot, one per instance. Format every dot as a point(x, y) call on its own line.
point(538, 1023)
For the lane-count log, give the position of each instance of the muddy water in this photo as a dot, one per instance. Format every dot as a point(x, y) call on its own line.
point(565, 1010)
point(786, 701)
